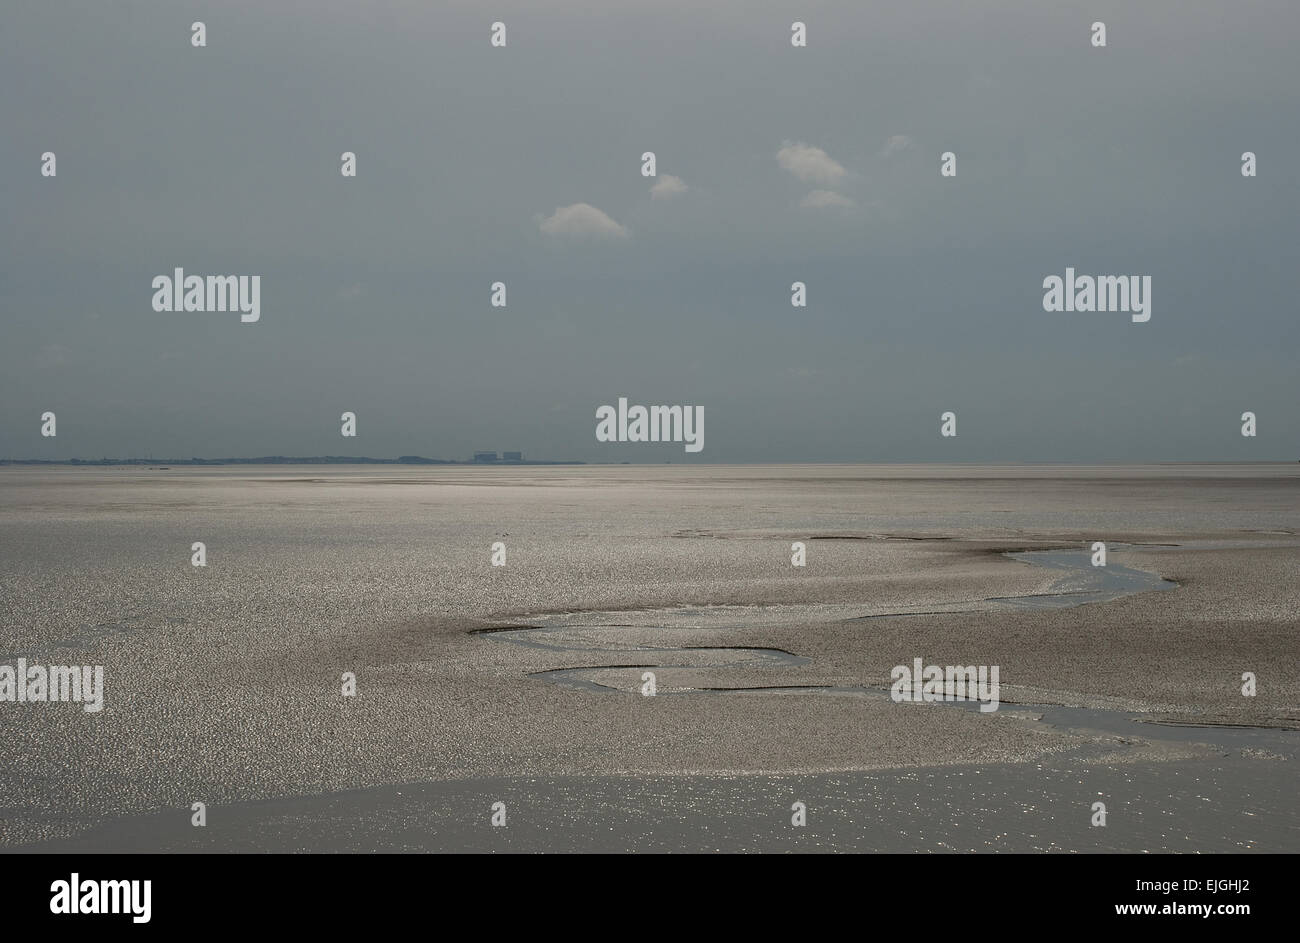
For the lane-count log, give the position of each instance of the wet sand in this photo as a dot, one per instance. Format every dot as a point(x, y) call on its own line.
point(223, 683)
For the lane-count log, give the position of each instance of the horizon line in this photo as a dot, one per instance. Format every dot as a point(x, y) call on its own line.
point(422, 460)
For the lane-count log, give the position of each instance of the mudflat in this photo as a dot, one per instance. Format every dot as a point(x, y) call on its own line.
point(522, 683)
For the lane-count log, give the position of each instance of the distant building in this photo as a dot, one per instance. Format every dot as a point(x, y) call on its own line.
point(485, 456)
point(512, 456)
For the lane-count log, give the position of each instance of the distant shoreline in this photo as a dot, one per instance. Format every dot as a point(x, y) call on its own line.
point(275, 460)
point(421, 460)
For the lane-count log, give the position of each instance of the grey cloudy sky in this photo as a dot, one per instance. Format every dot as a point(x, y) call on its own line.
point(925, 293)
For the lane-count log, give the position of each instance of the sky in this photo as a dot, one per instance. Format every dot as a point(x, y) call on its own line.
point(775, 164)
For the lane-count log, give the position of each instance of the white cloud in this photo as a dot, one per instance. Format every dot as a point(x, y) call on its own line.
point(580, 219)
point(668, 186)
point(821, 198)
point(898, 142)
point(810, 164)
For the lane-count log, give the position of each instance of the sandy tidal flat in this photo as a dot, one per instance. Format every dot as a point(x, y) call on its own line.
point(222, 683)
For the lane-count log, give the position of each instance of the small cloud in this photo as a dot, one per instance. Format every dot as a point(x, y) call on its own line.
point(897, 143)
point(822, 198)
point(350, 293)
point(668, 186)
point(580, 219)
point(810, 164)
